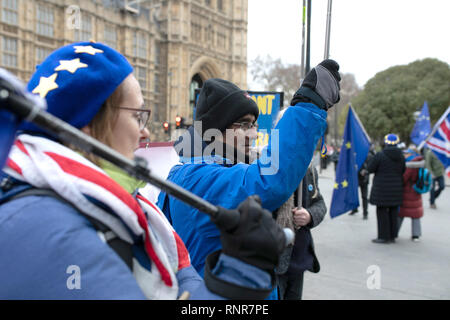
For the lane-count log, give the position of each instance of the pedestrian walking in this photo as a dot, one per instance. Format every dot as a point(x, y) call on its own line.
point(74, 227)
point(437, 171)
point(412, 201)
point(363, 183)
point(388, 167)
point(335, 157)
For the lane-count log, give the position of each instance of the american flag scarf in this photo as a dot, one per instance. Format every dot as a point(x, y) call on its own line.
point(44, 163)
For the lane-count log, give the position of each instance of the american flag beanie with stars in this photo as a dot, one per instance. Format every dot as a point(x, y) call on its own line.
point(76, 80)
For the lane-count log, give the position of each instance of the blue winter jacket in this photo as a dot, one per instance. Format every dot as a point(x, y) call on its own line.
point(45, 241)
point(228, 185)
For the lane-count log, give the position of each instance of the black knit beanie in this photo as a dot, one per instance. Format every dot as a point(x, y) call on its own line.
point(220, 103)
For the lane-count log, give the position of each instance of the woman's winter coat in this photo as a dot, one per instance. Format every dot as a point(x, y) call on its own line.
point(412, 201)
point(387, 188)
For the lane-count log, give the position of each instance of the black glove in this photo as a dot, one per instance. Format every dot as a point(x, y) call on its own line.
point(321, 85)
point(254, 237)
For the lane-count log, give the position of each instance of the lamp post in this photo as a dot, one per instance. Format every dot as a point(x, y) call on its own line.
point(327, 33)
point(326, 56)
point(308, 38)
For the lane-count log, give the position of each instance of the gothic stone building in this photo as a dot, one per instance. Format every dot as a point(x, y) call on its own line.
point(174, 45)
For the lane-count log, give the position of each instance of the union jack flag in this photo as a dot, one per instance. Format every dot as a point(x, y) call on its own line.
point(439, 140)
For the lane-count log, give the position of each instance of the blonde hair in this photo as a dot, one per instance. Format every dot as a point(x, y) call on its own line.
point(101, 126)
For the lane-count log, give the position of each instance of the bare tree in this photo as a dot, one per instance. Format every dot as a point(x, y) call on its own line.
point(274, 75)
point(349, 90)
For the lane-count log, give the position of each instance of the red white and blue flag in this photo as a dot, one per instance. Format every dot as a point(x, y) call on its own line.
point(439, 140)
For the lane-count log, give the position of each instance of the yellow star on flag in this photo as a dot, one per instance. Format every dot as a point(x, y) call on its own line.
point(45, 85)
point(87, 49)
point(344, 183)
point(70, 65)
point(336, 185)
point(348, 145)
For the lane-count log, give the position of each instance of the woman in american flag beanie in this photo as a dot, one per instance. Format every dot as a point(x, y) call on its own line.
point(74, 226)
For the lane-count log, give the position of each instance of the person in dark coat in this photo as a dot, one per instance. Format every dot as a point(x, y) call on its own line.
point(335, 157)
point(437, 171)
point(304, 210)
point(363, 182)
point(412, 206)
point(301, 256)
point(388, 166)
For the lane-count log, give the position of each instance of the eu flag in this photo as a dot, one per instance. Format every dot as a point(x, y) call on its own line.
point(422, 128)
point(354, 150)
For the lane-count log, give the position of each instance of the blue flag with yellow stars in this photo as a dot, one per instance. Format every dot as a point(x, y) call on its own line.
point(422, 128)
point(354, 150)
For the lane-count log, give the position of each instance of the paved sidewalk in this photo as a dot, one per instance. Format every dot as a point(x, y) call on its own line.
point(350, 262)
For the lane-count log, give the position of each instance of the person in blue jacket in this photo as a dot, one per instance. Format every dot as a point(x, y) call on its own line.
point(213, 153)
point(73, 226)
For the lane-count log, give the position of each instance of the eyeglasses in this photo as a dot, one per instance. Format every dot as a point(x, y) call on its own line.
point(141, 115)
point(245, 125)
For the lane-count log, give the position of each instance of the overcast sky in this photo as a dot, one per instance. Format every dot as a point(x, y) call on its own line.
point(367, 36)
